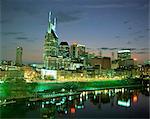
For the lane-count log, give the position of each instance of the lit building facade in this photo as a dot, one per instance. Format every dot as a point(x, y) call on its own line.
point(81, 51)
point(19, 51)
point(102, 62)
point(124, 54)
point(64, 50)
point(5, 62)
point(74, 51)
point(50, 45)
point(64, 58)
point(77, 51)
point(124, 58)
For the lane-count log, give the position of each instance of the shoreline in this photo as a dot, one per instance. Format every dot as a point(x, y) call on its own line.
point(30, 89)
point(77, 81)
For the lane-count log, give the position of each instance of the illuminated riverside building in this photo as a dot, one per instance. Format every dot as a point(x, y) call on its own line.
point(124, 58)
point(12, 74)
point(124, 54)
point(78, 54)
point(9, 62)
point(112, 56)
point(64, 59)
point(102, 62)
point(51, 45)
point(19, 51)
point(77, 51)
point(74, 51)
point(81, 51)
point(64, 50)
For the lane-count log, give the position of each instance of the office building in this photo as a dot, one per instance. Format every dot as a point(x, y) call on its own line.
point(64, 50)
point(81, 51)
point(50, 45)
point(124, 58)
point(74, 51)
point(19, 51)
point(102, 62)
point(124, 54)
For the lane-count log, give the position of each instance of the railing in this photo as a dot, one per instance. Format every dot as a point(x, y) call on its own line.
point(47, 96)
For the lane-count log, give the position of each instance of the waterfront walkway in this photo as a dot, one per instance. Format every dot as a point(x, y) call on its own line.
point(48, 96)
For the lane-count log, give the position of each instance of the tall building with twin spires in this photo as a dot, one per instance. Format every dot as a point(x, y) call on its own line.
point(50, 52)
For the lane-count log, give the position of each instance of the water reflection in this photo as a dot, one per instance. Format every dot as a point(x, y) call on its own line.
point(99, 103)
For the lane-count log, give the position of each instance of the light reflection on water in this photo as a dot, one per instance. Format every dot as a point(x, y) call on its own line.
point(108, 103)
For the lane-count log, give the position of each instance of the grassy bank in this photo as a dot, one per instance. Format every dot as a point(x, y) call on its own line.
point(23, 89)
point(53, 86)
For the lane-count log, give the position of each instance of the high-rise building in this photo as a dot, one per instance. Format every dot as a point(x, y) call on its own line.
point(64, 50)
point(74, 51)
point(112, 56)
point(124, 54)
point(19, 51)
point(81, 51)
point(50, 45)
point(124, 58)
point(77, 51)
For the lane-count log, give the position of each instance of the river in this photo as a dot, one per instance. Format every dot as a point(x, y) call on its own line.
point(107, 103)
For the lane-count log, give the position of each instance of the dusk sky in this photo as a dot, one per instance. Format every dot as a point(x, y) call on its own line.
point(102, 24)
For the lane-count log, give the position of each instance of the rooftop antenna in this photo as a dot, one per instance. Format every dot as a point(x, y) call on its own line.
point(55, 21)
point(49, 16)
point(49, 22)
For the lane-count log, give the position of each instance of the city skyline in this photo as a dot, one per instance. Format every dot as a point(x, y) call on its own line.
point(96, 24)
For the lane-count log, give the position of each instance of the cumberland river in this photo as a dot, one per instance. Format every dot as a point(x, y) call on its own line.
point(122, 102)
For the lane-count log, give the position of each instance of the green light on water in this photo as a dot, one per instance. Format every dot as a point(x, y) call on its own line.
point(123, 103)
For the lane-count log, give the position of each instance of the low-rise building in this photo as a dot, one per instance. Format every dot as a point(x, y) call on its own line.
point(103, 62)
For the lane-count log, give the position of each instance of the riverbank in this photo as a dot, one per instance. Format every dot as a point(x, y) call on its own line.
point(23, 89)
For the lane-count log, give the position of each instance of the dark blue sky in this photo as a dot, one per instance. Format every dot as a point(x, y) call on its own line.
point(95, 23)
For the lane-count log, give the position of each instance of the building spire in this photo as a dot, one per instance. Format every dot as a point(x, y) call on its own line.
point(55, 21)
point(49, 22)
point(49, 16)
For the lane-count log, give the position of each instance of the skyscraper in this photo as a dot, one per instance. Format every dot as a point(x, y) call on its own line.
point(112, 56)
point(19, 51)
point(124, 58)
point(124, 54)
point(50, 44)
point(64, 50)
point(74, 51)
point(81, 51)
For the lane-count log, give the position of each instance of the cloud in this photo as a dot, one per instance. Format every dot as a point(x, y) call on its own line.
point(116, 48)
point(68, 16)
point(5, 21)
point(105, 48)
point(144, 49)
point(147, 29)
point(133, 49)
point(113, 48)
point(141, 36)
point(126, 22)
point(136, 32)
point(117, 36)
point(104, 6)
point(113, 4)
point(29, 8)
point(129, 42)
point(22, 38)
point(25, 38)
point(11, 33)
point(129, 28)
point(142, 52)
point(125, 48)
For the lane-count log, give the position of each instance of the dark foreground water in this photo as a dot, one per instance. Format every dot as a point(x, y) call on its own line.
point(109, 103)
